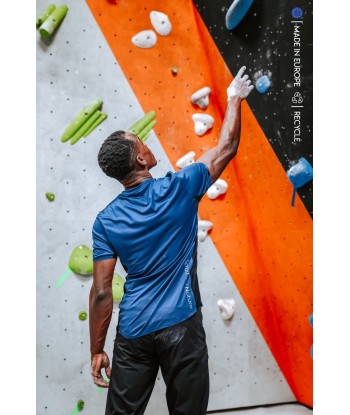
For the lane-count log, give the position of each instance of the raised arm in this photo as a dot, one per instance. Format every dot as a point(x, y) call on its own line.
point(101, 308)
point(218, 157)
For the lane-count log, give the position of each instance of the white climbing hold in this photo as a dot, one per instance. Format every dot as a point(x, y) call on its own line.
point(216, 189)
point(227, 308)
point(202, 123)
point(145, 39)
point(185, 160)
point(203, 227)
point(161, 23)
point(201, 97)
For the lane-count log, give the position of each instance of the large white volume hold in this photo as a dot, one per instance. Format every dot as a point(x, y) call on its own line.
point(185, 160)
point(145, 39)
point(227, 308)
point(202, 123)
point(216, 189)
point(201, 97)
point(161, 23)
point(203, 227)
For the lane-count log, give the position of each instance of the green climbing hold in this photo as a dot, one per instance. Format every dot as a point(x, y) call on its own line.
point(44, 15)
point(50, 196)
point(142, 123)
point(53, 21)
point(81, 261)
point(118, 287)
point(80, 405)
point(83, 315)
point(174, 70)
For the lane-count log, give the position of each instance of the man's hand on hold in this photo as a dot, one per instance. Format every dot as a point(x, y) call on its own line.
point(240, 87)
point(98, 362)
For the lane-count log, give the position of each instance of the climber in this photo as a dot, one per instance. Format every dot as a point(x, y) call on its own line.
point(152, 228)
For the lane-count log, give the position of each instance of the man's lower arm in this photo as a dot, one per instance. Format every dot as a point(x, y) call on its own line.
point(231, 127)
point(101, 308)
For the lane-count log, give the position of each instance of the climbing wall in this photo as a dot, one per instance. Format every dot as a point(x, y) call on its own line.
point(79, 63)
point(265, 41)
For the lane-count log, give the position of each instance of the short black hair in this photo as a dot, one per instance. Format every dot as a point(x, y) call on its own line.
point(117, 156)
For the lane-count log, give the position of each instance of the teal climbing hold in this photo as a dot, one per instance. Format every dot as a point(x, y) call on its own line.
point(236, 12)
point(263, 84)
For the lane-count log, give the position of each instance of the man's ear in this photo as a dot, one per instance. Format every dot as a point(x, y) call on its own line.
point(141, 160)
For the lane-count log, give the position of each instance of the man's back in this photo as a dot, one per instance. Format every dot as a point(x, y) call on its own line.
point(152, 228)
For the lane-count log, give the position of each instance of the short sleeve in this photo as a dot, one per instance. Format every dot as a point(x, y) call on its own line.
point(196, 177)
point(102, 249)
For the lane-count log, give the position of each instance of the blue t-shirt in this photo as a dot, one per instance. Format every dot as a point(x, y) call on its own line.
point(152, 229)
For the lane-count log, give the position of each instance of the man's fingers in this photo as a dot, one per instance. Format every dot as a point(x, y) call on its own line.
point(241, 72)
point(99, 381)
point(248, 82)
point(96, 371)
point(251, 88)
point(245, 77)
point(108, 372)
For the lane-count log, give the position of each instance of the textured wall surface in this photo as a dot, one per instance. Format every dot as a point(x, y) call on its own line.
point(73, 68)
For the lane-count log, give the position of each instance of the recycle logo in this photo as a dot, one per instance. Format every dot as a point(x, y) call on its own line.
point(297, 98)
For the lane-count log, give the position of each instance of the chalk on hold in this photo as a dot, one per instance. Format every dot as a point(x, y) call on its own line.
point(227, 308)
point(185, 160)
point(299, 174)
point(236, 12)
point(201, 97)
point(263, 84)
point(203, 227)
point(80, 260)
point(145, 39)
point(161, 23)
point(216, 189)
point(117, 287)
point(202, 123)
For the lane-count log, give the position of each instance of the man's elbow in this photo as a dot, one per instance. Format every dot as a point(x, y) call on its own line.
point(101, 295)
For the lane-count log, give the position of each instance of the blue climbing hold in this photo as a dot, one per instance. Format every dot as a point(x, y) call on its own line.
point(299, 174)
point(311, 319)
point(312, 351)
point(236, 12)
point(263, 84)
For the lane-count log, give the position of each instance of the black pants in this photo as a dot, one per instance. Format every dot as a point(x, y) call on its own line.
point(180, 351)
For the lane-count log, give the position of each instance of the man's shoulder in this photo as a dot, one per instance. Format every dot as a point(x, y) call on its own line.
point(112, 206)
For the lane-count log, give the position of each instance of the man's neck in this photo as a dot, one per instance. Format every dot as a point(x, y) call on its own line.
point(137, 179)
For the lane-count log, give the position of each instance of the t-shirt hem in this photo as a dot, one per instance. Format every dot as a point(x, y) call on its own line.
point(144, 333)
